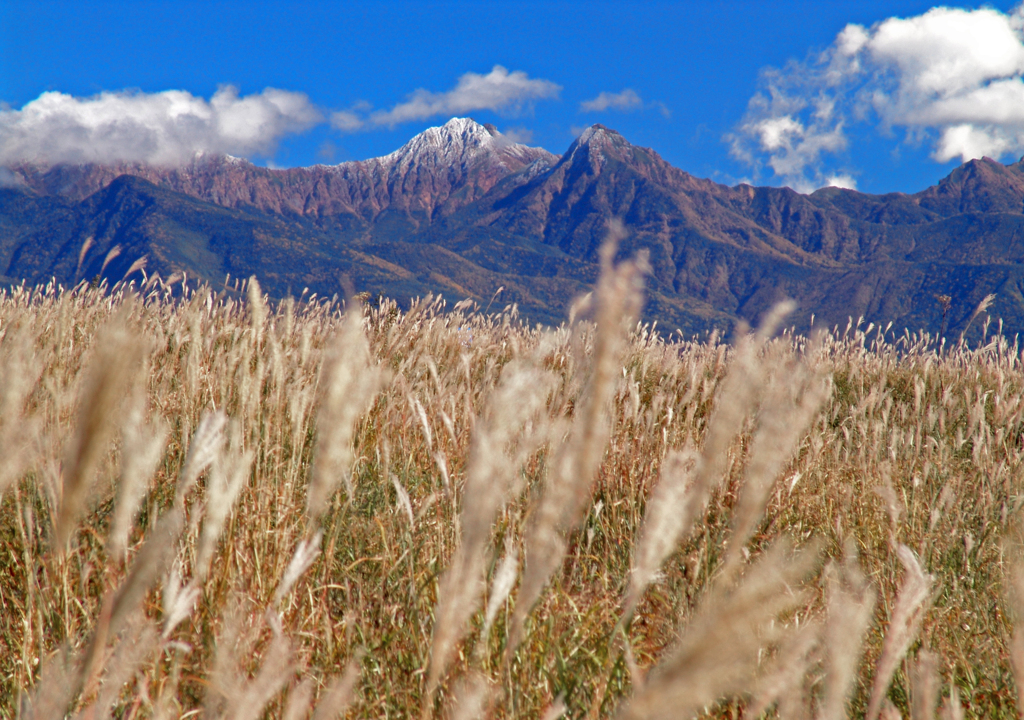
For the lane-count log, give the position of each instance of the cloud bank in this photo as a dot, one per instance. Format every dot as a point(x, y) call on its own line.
point(499, 91)
point(165, 128)
point(951, 78)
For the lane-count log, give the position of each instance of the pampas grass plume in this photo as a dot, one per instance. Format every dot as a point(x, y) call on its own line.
point(348, 383)
point(718, 652)
point(911, 604)
point(117, 360)
point(575, 462)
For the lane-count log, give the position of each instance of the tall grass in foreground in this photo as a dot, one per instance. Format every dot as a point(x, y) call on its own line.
point(215, 506)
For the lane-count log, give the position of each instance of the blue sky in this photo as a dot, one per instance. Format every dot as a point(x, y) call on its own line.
point(797, 93)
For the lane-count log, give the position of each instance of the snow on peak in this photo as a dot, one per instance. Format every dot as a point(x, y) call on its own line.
point(599, 135)
point(457, 140)
point(595, 139)
point(207, 157)
point(592, 133)
point(456, 143)
point(467, 127)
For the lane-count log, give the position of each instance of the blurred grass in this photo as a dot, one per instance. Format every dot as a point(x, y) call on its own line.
point(912, 446)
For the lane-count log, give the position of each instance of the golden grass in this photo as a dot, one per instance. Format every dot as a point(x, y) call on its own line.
point(221, 506)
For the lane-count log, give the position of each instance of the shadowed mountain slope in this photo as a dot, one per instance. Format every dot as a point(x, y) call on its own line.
point(463, 211)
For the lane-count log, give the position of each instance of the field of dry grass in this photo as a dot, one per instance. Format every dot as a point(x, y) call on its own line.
point(215, 507)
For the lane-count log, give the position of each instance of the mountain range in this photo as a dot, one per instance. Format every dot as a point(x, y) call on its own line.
point(463, 211)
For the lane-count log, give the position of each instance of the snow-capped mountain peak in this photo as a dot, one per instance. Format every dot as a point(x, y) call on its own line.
point(593, 134)
point(595, 139)
point(460, 142)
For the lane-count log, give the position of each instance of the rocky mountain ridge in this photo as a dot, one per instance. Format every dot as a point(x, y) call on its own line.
point(462, 210)
point(421, 177)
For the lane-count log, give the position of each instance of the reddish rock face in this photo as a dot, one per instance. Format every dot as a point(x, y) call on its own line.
point(435, 173)
point(981, 185)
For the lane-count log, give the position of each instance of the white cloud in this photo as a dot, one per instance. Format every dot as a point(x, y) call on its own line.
point(946, 50)
point(352, 119)
point(165, 128)
point(626, 100)
point(841, 180)
point(346, 120)
point(499, 91)
point(969, 141)
point(520, 135)
point(950, 77)
point(793, 132)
